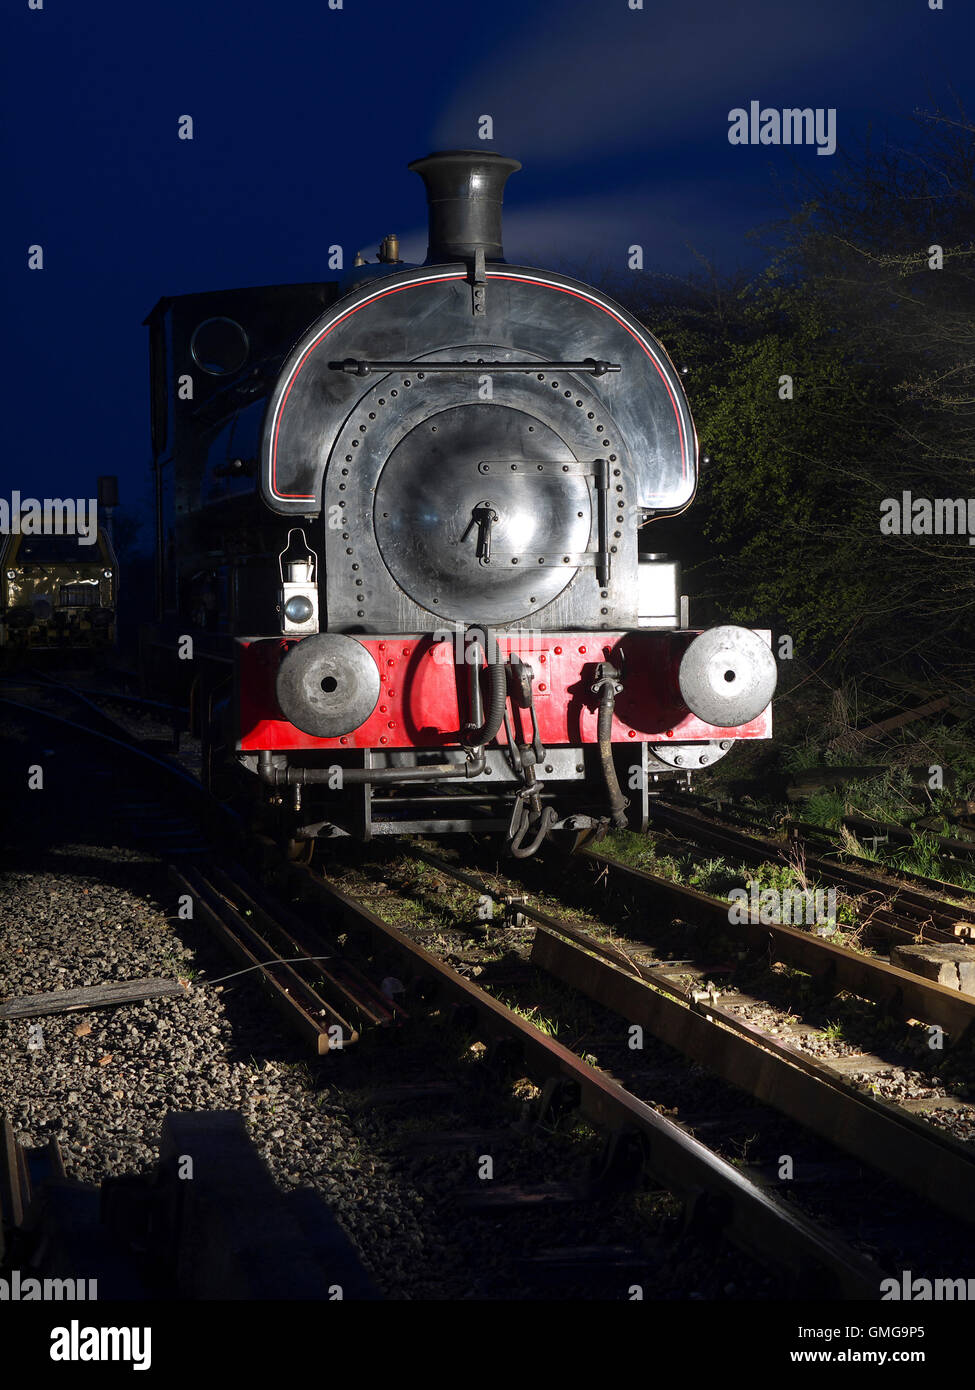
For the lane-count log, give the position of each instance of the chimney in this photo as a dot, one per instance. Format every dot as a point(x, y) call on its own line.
point(464, 192)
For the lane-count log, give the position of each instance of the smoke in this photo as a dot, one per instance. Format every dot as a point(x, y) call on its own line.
point(650, 77)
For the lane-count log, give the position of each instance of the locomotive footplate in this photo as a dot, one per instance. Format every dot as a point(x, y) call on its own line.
point(411, 765)
point(423, 680)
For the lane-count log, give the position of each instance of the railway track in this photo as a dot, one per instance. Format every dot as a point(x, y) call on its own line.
point(298, 952)
point(678, 1004)
point(712, 1189)
point(901, 909)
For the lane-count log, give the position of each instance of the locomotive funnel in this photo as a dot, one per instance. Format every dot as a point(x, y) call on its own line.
point(464, 192)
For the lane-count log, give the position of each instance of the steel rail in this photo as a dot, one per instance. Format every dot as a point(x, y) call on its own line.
point(924, 908)
point(907, 995)
point(901, 1145)
point(715, 1191)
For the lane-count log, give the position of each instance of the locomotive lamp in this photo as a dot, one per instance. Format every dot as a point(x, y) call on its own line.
point(298, 595)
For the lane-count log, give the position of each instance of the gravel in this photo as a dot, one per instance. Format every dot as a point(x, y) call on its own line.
point(101, 1082)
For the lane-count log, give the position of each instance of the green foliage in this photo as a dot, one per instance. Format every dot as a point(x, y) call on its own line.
point(880, 350)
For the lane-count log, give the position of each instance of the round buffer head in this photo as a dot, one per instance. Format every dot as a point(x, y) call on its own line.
point(327, 685)
point(727, 676)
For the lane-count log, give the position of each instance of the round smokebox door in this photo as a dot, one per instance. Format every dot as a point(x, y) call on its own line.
point(482, 513)
point(327, 685)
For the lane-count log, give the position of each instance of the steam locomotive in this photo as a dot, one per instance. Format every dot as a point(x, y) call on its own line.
point(398, 558)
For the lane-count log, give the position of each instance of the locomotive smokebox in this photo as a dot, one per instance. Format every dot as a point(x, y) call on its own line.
point(464, 193)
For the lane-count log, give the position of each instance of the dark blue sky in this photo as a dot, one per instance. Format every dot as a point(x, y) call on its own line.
point(306, 117)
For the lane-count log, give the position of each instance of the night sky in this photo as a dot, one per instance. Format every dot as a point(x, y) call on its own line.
point(305, 118)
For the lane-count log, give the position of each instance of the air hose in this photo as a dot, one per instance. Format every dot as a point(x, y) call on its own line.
point(608, 686)
point(473, 736)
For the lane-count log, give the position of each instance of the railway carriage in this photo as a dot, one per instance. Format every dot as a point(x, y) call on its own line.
point(57, 594)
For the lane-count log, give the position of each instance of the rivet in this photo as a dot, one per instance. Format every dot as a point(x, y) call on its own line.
point(343, 740)
point(549, 767)
point(543, 686)
point(582, 651)
point(632, 733)
point(384, 739)
point(558, 651)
